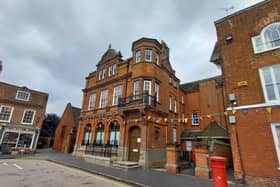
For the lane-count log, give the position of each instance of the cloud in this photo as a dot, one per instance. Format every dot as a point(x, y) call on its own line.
point(52, 45)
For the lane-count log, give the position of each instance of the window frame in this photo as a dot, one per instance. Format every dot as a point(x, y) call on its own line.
point(195, 119)
point(138, 56)
point(136, 89)
point(105, 99)
point(175, 105)
point(33, 117)
point(150, 86)
point(11, 113)
point(276, 141)
point(116, 97)
point(28, 93)
point(263, 40)
point(274, 83)
point(150, 55)
point(157, 58)
point(90, 106)
point(170, 103)
point(174, 132)
point(157, 91)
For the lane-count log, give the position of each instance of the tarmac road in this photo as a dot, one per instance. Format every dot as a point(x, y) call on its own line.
point(41, 173)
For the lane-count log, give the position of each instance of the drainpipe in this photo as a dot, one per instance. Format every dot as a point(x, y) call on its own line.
point(124, 157)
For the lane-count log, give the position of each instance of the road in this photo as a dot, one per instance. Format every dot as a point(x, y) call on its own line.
point(40, 173)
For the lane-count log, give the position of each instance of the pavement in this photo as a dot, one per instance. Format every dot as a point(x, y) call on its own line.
point(135, 177)
point(42, 173)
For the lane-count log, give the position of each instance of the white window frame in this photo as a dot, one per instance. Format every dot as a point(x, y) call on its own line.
point(174, 134)
point(10, 117)
point(112, 70)
point(157, 58)
point(175, 106)
point(104, 73)
point(193, 119)
point(149, 82)
point(117, 94)
point(275, 88)
point(136, 89)
point(183, 117)
point(170, 80)
point(276, 141)
point(174, 83)
point(105, 99)
point(263, 40)
point(34, 113)
point(182, 99)
point(138, 56)
point(28, 93)
point(91, 102)
point(148, 53)
point(170, 103)
point(157, 91)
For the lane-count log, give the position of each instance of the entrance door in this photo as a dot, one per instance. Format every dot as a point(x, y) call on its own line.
point(134, 144)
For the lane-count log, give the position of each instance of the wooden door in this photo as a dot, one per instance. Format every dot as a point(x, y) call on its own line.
point(134, 144)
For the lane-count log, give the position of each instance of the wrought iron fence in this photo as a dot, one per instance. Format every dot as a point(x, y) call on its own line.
point(102, 150)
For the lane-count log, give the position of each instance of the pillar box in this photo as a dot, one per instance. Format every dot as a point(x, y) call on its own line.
point(219, 174)
point(202, 169)
point(172, 158)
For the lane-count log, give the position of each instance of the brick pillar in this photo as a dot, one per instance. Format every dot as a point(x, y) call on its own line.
point(172, 158)
point(202, 168)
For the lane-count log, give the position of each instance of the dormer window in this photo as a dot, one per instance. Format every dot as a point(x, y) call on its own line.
point(148, 55)
point(268, 39)
point(138, 56)
point(22, 95)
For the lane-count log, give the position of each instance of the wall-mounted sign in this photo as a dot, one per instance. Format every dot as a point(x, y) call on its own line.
point(242, 83)
point(138, 140)
point(135, 150)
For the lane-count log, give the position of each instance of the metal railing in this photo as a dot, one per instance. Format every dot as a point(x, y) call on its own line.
point(102, 150)
point(144, 98)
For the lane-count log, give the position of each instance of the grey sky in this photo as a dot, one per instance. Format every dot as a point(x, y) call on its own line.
point(52, 45)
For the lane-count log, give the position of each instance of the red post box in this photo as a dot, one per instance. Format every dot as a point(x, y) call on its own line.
point(219, 174)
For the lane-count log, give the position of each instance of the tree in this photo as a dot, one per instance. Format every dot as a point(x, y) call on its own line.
point(50, 123)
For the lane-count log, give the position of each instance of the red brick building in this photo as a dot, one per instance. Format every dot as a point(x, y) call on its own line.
point(248, 52)
point(66, 131)
point(21, 115)
point(132, 108)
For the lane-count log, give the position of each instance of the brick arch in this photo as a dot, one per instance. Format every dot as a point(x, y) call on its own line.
point(262, 23)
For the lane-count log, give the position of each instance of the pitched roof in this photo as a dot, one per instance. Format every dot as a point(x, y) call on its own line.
point(194, 86)
point(214, 130)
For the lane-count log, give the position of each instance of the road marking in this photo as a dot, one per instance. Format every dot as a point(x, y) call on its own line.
point(5, 164)
point(17, 166)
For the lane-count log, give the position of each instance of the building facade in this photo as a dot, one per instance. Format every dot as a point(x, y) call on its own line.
point(66, 131)
point(248, 52)
point(132, 105)
point(21, 115)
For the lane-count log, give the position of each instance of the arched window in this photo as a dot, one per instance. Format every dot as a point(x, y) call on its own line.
point(87, 134)
point(99, 134)
point(268, 39)
point(114, 133)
